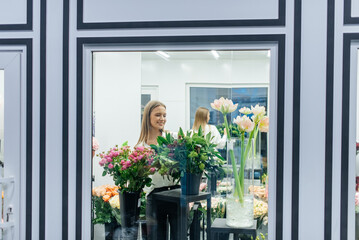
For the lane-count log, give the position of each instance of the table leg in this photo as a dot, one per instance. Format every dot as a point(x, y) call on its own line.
point(209, 217)
point(183, 221)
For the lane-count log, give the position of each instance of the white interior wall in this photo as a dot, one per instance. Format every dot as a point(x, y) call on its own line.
point(117, 119)
point(170, 75)
point(116, 91)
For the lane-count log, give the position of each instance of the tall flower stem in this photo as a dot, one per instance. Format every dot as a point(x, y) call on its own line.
point(237, 189)
point(244, 155)
point(255, 141)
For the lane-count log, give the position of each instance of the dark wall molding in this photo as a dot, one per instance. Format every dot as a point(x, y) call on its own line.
point(25, 26)
point(42, 166)
point(329, 122)
point(348, 19)
point(65, 119)
point(280, 21)
point(185, 40)
point(296, 117)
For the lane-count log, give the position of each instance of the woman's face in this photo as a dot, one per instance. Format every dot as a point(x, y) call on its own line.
point(158, 118)
point(208, 117)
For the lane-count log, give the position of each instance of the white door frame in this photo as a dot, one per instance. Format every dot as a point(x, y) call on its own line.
point(12, 61)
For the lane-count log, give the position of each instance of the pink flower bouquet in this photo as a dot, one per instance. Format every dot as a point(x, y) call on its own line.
point(130, 169)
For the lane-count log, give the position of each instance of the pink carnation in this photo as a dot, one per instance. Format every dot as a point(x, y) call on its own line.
point(152, 170)
point(141, 148)
point(110, 166)
point(102, 162)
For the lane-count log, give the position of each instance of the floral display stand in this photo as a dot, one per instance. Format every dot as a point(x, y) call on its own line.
point(182, 202)
point(219, 226)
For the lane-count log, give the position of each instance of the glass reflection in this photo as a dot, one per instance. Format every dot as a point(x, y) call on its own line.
point(2, 85)
point(2, 121)
point(124, 82)
point(357, 162)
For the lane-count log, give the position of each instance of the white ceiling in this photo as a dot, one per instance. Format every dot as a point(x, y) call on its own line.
point(207, 55)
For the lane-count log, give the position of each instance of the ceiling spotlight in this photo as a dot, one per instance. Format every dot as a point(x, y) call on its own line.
point(268, 53)
point(163, 54)
point(215, 54)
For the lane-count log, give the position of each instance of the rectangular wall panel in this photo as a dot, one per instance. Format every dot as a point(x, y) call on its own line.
point(355, 8)
point(13, 12)
point(183, 10)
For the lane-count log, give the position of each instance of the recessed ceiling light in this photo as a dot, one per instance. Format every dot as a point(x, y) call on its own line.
point(215, 54)
point(163, 54)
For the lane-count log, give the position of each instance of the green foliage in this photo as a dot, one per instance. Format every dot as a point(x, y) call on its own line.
point(232, 128)
point(190, 153)
point(102, 211)
point(143, 206)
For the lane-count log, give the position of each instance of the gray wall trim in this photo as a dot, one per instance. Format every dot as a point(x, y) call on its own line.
point(280, 21)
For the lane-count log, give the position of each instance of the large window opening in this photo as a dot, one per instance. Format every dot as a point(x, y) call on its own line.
point(123, 84)
point(357, 159)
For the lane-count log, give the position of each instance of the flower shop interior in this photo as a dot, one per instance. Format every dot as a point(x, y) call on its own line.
point(233, 119)
point(200, 77)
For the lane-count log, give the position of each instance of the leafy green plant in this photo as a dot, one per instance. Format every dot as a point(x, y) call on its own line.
point(190, 153)
point(232, 128)
point(102, 210)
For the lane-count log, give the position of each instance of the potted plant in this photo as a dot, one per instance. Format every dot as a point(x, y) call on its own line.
point(130, 170)
point(106, 208)
point(187, 158)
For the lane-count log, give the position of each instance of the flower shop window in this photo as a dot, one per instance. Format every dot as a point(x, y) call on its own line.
point(124, 82)
point(357, 154)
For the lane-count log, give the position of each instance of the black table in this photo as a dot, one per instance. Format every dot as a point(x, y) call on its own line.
point(182, 201)
point(219, 226)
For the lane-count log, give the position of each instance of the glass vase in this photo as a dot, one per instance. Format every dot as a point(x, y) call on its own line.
point(256, 152)
point(240, 176)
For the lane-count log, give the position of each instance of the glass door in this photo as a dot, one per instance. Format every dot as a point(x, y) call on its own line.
point(11, 131)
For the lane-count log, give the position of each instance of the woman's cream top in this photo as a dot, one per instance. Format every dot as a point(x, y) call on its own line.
point(216, 136)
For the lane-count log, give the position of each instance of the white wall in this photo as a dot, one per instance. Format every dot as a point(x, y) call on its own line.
point(169, 75)
point(116, 90)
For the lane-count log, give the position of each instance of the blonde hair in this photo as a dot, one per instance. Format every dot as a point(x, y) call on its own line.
point(146, 120)
point(200, 118)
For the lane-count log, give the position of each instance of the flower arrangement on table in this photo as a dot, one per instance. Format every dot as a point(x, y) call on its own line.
point(130, 169)
point(246, 126)
point(192, 152)
point(106, 204)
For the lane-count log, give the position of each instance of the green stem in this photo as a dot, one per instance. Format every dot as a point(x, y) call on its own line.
point(241, 168)
point(237, 187)
point(255, 141)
